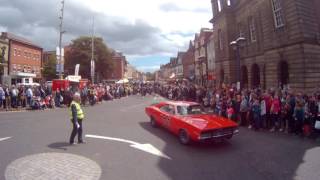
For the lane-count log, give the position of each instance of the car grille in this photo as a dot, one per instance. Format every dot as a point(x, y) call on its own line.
point(217, 133)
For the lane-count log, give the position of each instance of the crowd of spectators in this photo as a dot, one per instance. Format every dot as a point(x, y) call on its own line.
point(281, 109)
point(42, 97)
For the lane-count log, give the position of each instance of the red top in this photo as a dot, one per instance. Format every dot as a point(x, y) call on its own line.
point(276, 106)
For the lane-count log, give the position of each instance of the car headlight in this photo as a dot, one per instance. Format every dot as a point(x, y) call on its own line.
point(235, 131)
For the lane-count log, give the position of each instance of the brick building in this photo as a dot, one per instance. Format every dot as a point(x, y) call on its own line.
point(282, 42)
point(25, 59)
point(119, 66)
point(188, 62)
point(4, 49)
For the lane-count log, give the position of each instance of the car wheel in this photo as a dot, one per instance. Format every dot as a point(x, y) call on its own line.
point(153, 122)
point(184, 137)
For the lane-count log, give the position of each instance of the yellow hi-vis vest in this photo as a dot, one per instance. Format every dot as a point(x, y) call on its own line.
point(80, 114)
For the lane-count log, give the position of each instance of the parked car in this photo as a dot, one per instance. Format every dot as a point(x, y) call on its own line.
point(190, 122)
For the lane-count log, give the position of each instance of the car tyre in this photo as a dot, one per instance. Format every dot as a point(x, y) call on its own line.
point(153, 122)
point(184, 137)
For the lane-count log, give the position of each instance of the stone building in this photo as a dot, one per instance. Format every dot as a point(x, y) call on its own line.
point(179, 66)
point(211, 61)
point(282, 42)
point(200, 55)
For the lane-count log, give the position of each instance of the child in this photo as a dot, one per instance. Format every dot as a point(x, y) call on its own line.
point(230, 112)
point(256, 110)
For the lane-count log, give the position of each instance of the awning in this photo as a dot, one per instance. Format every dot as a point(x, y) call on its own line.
point(23, 74)
point(122, 81)
point(73, 78)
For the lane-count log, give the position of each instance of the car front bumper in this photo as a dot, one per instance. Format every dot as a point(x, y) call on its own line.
point(217, 135)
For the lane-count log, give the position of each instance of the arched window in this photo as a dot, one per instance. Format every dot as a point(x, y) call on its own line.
point(255, 76)
point(244, 77)
point(221, 76)
point(283, 73)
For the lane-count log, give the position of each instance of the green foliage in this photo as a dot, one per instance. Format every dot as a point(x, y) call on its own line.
point(49, 68)
point(80, 53)
point(150, 76)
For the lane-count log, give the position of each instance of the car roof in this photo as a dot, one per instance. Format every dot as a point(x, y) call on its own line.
point(181, 103)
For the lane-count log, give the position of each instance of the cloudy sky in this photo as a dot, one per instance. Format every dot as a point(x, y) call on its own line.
point(148, 32)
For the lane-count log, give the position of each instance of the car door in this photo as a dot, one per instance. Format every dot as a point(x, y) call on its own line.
point(167, 112)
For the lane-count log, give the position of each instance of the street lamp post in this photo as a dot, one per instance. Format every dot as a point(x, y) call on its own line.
point(236, 45)
point(61, 32)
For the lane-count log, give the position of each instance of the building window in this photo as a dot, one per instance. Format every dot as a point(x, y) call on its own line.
point(277, 13)
point(220, 40)
point(252, 28)
point(18, 52)
point(14, 67)
point(229, 2)
point(14, 52)
point(219, 5)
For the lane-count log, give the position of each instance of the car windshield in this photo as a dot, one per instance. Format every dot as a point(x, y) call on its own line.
point(189, 110)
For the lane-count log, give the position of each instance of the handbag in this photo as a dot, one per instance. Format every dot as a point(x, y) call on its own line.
point(317, 125)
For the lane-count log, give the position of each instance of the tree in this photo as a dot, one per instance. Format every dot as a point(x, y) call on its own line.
point(80, 53)
point(49, 69)
point(150, 76)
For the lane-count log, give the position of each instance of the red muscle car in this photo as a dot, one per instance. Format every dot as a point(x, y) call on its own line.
point(189, 121)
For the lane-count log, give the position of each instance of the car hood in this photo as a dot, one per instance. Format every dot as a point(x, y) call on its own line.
point(206, 122)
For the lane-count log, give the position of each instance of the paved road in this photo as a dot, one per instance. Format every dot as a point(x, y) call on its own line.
point(39, 141)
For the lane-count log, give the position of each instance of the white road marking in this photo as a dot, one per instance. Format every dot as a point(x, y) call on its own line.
point(6, 138)
point(149, 148)
point(8, 112)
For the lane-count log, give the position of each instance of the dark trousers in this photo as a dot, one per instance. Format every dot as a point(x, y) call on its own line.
point(298, 126)
point(14, 102)
point(244, 121)
point(257, 120)
point(76, 131)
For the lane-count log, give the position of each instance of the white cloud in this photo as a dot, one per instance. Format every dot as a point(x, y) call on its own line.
point(181, 15)
point(142, 29)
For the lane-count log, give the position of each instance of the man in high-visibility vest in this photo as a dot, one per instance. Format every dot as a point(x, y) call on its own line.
point(77, 117)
